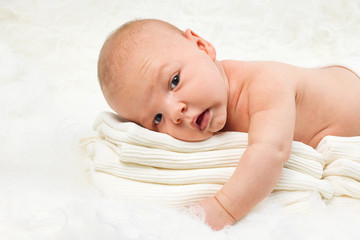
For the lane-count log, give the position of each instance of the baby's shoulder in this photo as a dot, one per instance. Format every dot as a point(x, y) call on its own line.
point(270, 70)
point(261, 79)
point(273, 76)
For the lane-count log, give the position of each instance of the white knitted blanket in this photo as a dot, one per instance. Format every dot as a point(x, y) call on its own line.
point(129, 161)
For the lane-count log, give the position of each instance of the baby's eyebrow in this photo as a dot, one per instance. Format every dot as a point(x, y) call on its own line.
point(149, 69)
point(146, 121)
point(155, 73)
point(161, 70)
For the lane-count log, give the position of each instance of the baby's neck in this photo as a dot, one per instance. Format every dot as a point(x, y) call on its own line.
point(233, 73)
point(236, 73)
point(223, 71)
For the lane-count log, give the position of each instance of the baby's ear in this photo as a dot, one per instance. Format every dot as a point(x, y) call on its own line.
point(201, 43)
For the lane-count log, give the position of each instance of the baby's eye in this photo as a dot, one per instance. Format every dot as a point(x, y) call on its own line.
point(157, 118)
point(174, 82)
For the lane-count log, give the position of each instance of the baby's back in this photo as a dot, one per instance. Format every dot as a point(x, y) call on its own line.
point(327, 99)
point(328, 103)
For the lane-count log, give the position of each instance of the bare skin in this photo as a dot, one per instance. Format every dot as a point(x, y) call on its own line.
point(179, 88)
point(303, 104)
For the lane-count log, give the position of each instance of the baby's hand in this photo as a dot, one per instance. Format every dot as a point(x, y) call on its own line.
point(215, 215)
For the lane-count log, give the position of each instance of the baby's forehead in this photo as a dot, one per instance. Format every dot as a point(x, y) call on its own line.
point(139, 45)
point(146, 60)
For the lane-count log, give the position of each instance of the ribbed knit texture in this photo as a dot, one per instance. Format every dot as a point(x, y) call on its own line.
point(129, 161)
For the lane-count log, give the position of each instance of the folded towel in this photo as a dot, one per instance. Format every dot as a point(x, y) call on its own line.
point(334, 148)
point(136, 163)
point(117, 130)
point(342, 170)
point(343, 167)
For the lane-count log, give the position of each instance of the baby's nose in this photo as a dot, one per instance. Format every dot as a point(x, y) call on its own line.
point(177, 112)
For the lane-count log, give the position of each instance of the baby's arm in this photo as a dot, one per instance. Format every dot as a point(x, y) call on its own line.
point(272, 122)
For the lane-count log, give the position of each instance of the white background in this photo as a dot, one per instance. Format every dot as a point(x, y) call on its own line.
point(49, 97)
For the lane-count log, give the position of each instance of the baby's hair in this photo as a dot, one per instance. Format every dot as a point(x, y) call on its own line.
point(106, 60)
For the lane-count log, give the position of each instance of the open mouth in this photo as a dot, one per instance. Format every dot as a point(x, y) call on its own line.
point(203, 120)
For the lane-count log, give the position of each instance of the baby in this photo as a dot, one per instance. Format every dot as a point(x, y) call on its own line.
point(170, 81)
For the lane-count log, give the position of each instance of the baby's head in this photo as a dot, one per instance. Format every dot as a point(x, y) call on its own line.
point(164, 79)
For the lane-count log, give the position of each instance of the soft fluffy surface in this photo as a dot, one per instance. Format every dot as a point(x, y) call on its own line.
point(50, 97)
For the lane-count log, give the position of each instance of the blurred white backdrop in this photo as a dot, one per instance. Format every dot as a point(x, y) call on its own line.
point(50, 96)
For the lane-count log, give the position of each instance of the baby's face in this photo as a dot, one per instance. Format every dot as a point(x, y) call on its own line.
point(175, 88)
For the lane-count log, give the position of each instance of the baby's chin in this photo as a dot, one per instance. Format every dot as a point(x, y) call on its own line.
point(214, 129)
point(194, 138)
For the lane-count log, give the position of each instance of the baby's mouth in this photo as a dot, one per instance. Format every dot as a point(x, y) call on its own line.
point(202, 120)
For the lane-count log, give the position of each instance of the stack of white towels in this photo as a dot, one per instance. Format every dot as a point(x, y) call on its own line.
point(131, 162)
